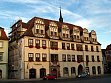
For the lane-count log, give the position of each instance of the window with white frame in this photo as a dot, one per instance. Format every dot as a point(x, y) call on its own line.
point(30, 57)
point(37, 57)
point(64, 57)
point(44, 57)
point(69, 57)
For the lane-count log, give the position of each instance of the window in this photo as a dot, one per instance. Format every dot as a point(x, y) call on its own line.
point(64, 57)
point(94, 70)
point(77, 37)
point(30, 56)
point(98, 59)
point(1, 44)
point(42, 32)
point(37, 43)
point(63, 45)
point(72, 46)
point(37, 57)
point(86, 47)
point(73, 58)
point(37, 30)
point(73, 70)
point(44, 44)
point(79, 58)
point(74, 36)
point(79, 47)
point(92, 48)
point(55, 33)
point(51, 33)
point(54, 45)
point(65, 70)
point(1, 56)
point(44, 57)
point(54, 57)
point(87, 58)
point(99, 69)
point(93, 59)
point(63, 35)
point(68, 57)
point(66, 35)
point(68, 46)
point(30, 43)
point(97, 49)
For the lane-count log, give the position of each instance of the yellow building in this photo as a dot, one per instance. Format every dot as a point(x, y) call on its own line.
point(3, 54)
point(42, 46)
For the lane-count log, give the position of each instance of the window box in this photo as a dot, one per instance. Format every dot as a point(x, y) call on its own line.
point(52, 48)
point(78, 61)
point(68, 48)
point(72, 49)
point(30, 46)
point(44, 47)
point(56, 48)
point(38, 47)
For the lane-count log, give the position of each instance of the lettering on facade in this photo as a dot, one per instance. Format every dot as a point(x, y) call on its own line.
point(37, 64)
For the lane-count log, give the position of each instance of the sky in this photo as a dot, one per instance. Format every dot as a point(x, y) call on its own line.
point(90, 14)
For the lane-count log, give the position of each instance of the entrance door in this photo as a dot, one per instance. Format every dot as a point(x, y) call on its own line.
point(80, 69)
point(54, 71)
point(32, 73)
point(42, 72)
point(0, 74)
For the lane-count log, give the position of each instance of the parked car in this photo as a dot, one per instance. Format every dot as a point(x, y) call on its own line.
point(82, 75)
point(49, 77)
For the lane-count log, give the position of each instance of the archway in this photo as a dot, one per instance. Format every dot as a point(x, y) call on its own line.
point(99, 69)
point(93, 70)
point(32, 73)
point(42, 72)
point(54, 71)
point(0, 74)
point(80, 69)
point(65, 71)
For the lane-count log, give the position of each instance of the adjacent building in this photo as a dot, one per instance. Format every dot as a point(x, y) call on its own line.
point(43, 46)
point(108, 58)
point(3, 54)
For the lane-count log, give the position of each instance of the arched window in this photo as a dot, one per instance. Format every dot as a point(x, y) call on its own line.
point(73, 70)
point(93, 70)
point(99, 69)
point(65, 70)
point(0, 74)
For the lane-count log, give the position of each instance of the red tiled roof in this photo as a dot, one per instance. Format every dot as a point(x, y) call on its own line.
point(30, 25)
point(3, 34)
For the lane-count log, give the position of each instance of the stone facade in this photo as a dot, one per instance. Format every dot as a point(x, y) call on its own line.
point(43, 46)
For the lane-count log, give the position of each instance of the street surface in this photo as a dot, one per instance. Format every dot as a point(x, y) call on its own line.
point(105, 79)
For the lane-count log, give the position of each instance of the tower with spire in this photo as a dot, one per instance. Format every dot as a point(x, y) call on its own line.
point(60, 18)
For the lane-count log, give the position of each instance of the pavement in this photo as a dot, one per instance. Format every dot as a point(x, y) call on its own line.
point(60, 78)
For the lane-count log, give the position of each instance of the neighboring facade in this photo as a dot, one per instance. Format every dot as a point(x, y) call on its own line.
point(108, 58)
point(104, 61)
point(43, 46)
point(3, 54)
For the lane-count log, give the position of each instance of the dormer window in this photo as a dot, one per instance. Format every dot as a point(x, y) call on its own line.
point(65, 31)
point(39, 27)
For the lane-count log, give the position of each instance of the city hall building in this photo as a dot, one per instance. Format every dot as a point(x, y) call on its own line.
point(43, 46)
